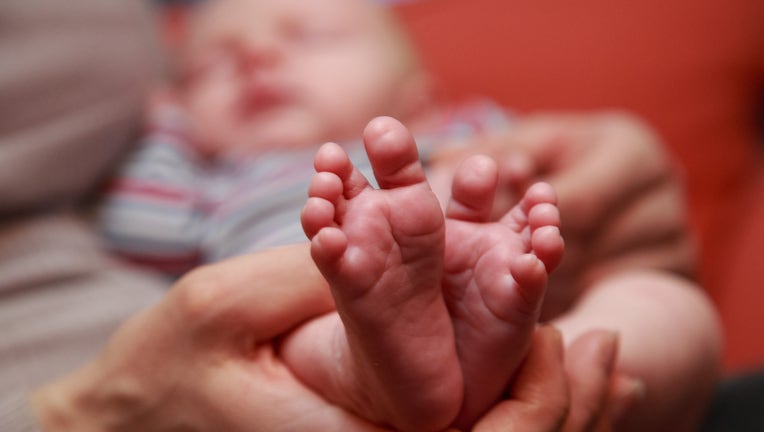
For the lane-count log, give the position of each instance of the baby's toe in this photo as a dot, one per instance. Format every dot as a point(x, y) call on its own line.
point(327, 248)
point(543, 214)
point(317, 213)
point(548, 245)
point(393, 153)
point(473, 189)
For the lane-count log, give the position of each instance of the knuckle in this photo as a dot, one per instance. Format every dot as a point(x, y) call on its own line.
point(198, 293)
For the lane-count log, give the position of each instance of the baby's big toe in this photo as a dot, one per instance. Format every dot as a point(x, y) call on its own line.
point(473, 189)
point(393, 153)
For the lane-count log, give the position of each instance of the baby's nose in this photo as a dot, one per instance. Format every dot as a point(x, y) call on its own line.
point(259, 55)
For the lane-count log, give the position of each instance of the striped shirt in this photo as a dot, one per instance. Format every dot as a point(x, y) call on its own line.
point(170, 209)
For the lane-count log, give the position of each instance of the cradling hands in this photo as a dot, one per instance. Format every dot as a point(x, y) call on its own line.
point(620, 196)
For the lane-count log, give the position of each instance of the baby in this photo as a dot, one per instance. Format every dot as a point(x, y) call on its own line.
point(437, 312)
point(434, 311)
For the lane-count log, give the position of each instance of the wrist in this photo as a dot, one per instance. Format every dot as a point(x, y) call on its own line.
point(62, 406)
point(83, 403)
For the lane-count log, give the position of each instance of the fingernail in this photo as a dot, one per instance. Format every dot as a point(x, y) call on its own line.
point(631, 391)
point(608, 349)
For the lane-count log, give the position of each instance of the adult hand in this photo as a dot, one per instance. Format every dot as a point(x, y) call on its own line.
point(540, 398)
point(205, 358)
point(599, 396)
point(572, 391)
point(620, 197)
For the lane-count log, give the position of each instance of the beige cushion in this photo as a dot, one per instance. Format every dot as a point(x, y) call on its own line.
point(73, 76)
point(72, 83)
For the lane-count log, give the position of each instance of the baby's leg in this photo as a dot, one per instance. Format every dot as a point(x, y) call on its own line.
point(669, 338)
point(381, 250)
point(495, 279)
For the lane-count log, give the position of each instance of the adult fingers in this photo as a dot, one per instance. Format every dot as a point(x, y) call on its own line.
point(649, 232)
point(262, 295)
point(595, 162)
point(589, 362)
point(539, 393)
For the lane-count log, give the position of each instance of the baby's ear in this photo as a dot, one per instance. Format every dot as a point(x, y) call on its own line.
point(178, 24)
point(174, 25)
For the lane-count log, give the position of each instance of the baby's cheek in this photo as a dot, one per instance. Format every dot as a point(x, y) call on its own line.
point(211, 129)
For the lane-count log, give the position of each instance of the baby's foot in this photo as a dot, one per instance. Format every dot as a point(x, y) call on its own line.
point(495, 278)
point(381, 250)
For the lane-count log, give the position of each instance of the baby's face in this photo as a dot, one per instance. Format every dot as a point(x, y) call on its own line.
point(290, 73)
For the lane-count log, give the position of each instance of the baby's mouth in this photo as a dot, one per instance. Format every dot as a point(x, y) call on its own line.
point(262, 98)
